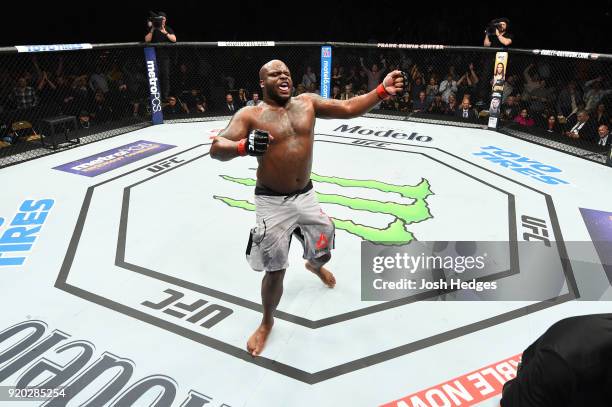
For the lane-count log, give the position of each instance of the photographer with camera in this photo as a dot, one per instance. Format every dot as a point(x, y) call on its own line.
point(497, 35)
point(158, 33)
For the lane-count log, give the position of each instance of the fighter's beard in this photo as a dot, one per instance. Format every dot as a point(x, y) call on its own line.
point(272, 94)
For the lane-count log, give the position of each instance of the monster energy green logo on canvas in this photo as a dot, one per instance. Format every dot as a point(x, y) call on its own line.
point(395, 232)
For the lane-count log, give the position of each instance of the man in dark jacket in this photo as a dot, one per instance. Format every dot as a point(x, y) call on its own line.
point(466, 112)
point(570, 365)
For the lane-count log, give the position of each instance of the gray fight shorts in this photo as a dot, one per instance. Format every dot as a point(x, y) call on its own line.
point(278, 218)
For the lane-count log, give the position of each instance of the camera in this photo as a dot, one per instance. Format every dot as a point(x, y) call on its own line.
point(492, 26)
point(155, 19)
point(496, 24)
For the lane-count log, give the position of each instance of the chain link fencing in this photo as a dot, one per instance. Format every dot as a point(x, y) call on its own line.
point(557, 99)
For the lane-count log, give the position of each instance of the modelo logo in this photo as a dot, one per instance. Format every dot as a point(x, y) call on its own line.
point(28, 349)
point(18, 239)
point(154, 87)
point(522, 165)
point(383, 133)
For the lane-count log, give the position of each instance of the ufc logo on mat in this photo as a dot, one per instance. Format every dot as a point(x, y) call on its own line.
point(197, 310)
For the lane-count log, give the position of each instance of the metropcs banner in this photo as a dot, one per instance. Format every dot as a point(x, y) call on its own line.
point(117, 157)
point(157, 116)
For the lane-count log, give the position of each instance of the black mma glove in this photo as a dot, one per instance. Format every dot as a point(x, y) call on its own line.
point(256, 143)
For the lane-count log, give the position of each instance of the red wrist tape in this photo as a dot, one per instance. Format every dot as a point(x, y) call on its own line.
point(242, 147)
point(381, 92)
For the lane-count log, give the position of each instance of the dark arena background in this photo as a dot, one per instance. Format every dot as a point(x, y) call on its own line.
point(471, 212)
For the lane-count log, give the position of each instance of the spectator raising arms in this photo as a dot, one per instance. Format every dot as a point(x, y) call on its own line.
point(374, 75)
point(468, 81)
point(448, 87)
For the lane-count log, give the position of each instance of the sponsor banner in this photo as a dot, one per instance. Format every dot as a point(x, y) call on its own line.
point(599, 225)
point(111, 159)
point(18, 236)
point(96, 375)
point(52, 48)
point(245, 43)
point(459, 270)
point(566, 54)
point(497, 91)
point(157, 116)
point(389, 133)
point(410, 46)
point(466, 390)
point(525, 166)
point(326, 63)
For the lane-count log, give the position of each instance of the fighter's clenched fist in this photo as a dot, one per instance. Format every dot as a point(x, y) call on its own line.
point(392, 85)
point(255, 144)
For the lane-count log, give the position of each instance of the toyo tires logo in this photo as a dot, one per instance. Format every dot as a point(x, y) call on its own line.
point(403, 214)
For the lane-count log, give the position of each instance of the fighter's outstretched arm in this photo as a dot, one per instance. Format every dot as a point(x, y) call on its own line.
point(225, 144)
point(345, 109)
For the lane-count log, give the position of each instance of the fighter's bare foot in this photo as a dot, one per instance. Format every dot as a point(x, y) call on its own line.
point(324, 274)
point(257, 341)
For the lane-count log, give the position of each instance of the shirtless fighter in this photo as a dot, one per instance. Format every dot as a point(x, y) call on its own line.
point(280, 133)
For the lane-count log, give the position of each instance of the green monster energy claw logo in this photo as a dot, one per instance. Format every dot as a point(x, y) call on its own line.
point(395, 232)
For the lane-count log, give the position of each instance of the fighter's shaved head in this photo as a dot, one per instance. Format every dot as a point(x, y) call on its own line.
point(271, 65)
point(275, 82)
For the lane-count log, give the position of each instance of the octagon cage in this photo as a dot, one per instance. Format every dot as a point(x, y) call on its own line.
point(75, 94)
